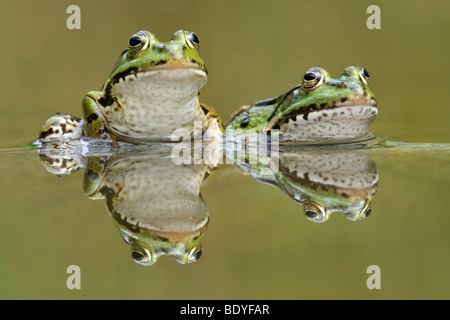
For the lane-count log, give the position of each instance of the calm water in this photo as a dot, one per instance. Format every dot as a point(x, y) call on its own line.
point(258, 244)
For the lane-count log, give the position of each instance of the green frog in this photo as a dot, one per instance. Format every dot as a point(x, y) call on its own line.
point(156, 205)
point(152, 90)
point(319, 109)
point(323, 180)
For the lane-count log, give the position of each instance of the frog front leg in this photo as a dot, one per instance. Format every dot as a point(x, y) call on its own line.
point(95, 124)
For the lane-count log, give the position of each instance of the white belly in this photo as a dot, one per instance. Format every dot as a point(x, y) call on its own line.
point(155, 103)
point(343, 123)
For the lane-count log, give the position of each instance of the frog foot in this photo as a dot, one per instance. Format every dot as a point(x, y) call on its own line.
point(62, 127)
point(61, 164)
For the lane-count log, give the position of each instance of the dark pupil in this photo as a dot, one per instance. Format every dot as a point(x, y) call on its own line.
point(134, 41)
point(137, 256)
point(311, 214)
point(197, 255)
point(366, 74)
point(309, 76)
point(193, 37)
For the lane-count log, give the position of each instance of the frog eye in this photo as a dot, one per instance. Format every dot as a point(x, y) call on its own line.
point(138, 43)
point(194, 254)
point(365, 212)
point(141, 255)
point(192, 40)
point(313, 79)
point(315, 212)
point(363, 75)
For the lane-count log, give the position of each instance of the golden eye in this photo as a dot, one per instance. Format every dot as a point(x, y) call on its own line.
point(138, 43)
point(313, 79)
point(141, 255)
point(363, 75)
point(315, 212)
point(192, 40)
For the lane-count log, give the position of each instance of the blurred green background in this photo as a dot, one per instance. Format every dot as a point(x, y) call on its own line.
point(253, 50)
point(259, 245)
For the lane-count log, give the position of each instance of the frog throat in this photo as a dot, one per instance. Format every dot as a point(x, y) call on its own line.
point(154, 101)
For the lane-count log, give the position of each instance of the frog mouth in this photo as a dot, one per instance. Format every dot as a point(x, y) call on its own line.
point(356, 102)
point(344, 120)
point(180, 227)
point(164, 82)
point(135, 73)
point(356, 112)
point(357, 107)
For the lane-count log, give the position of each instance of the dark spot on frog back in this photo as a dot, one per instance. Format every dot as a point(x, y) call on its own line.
point(159, 47)
point(105, 102)
point(266, 102)
point(246, 121)
point(157, 63)
point(92, 117)
point(304, 111)
point(336, 83)
point(204, 109)
point(92, 175)
point(46, 133)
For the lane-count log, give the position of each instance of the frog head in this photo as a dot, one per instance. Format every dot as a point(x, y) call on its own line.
point(146, 55)
point(326, 108)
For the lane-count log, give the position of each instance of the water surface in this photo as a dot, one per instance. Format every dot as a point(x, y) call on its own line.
point(258, 242)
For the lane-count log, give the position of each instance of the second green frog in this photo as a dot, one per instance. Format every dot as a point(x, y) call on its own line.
point(319, 110)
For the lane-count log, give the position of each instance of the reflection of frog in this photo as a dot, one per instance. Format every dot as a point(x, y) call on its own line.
point(156, 204)
point(323, 181)
point(320, 109)
point(152, 90)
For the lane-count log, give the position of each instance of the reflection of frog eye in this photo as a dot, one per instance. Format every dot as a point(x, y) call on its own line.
point(312, 79)
point(192, 40)
point(138, 43)
point(141, 255)
point(365, 212)
point(363, 75)
point(359, 214)
point(315, 212)
point(194, 254)
point(191, 256)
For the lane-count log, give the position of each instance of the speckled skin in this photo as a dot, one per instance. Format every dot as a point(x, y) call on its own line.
point(62, 127)
point(320, 108)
